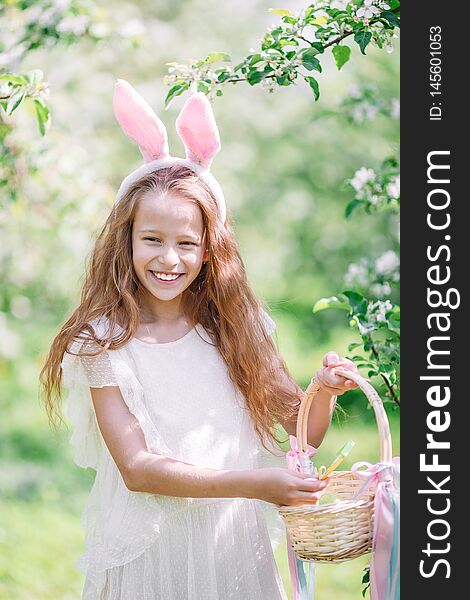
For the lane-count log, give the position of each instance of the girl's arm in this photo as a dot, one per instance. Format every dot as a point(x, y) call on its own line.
point(319, 418)
point(144, 471)
point(323, 405)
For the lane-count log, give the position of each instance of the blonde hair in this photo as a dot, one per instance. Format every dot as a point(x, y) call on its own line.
point(220, 299)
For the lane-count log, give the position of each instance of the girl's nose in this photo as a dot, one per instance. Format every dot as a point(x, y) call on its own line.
point(168, 255)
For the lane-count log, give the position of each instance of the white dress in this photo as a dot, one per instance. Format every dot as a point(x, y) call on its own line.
point(142, 546)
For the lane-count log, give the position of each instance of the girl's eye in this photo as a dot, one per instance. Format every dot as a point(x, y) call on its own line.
point(154, 239)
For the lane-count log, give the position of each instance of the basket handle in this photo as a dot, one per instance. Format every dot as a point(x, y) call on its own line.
point(380, 415)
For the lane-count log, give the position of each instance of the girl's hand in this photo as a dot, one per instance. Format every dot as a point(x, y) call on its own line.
point(285, 487)
point(335, 385)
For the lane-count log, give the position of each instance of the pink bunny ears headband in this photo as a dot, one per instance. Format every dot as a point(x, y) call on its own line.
point(195, 125)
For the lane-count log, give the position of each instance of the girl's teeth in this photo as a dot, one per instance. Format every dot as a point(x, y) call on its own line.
point(164, 276)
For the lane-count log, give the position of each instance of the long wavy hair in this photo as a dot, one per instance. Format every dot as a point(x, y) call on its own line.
point(220, 299)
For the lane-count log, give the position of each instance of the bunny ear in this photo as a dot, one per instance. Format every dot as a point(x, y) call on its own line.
point(139, 121)
point(197, 128)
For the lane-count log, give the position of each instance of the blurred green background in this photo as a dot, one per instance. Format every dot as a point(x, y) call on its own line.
point(283, 165)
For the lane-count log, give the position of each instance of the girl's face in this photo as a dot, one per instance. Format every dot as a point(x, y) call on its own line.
point(168, 246)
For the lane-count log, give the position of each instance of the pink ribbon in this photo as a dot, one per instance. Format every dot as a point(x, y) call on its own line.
point(385, 562)
point(292, 568)
point(298, 460)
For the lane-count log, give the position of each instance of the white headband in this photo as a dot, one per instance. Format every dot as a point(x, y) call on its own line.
point(195, 125)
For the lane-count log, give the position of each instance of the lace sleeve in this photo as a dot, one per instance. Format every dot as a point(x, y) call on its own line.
point(98, 369)
point(80, 373)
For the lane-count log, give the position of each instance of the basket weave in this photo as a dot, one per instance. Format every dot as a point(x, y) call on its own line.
point(341, 531)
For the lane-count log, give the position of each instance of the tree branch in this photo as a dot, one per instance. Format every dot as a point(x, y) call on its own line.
point(387, 383)
point(331, 43)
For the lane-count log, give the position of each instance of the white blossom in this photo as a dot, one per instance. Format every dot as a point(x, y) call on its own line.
point(339, 4)
point(393, 188)
point(361, 177)
point(100, 30)
point(387, 263)
point(368, 10)
point(371, 8)
point(77, 25)
point(381, 289)
point(358, 274)
point(364, 328)
point(60, 5)
point(132, 28)
point(354, 91)
point(395, 110)
point(376, 311)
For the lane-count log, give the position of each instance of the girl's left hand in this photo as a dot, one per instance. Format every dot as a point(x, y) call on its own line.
point(335, 384)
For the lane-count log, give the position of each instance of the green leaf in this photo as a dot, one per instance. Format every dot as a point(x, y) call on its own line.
point(309, 60)
point(255, 77)
point(313, 83)
point(217, 57)
point(318, 47)
point(203, 87)
point(393, 4)
point(351, 206)
point(283, 80)
point(363, 365)
point(391, 17)
point(353, 346)
point(390, 162)
point(42, 115)
point(357, 301)
point(176, 90)
point(282, 12)
point(14, 79)
point(255, 58)
point(342, 55)
point(319, 21)
point(223, 76)
point(332, 302)
point(289, 41)
point(14, 101)
point(362, 38)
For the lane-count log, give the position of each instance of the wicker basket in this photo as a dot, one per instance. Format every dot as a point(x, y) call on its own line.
point(341, 531)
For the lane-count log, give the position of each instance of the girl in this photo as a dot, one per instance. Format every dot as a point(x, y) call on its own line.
point(175, 385)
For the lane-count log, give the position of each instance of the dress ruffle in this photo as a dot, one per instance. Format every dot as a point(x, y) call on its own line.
point(104, 370)
point(206, 535)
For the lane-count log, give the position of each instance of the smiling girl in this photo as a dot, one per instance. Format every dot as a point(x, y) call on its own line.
point(175, 385)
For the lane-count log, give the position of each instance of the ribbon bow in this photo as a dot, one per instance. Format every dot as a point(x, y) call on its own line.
point(298, 460)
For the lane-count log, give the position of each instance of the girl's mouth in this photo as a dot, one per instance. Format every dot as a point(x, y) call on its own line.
point(166, 278)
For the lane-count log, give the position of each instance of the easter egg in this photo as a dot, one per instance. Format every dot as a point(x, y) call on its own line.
point(330, 499)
